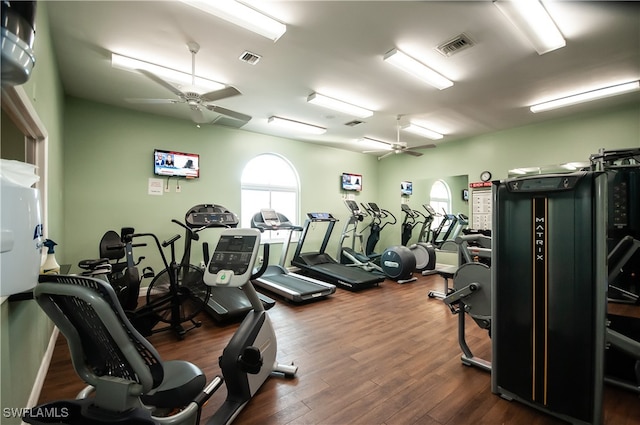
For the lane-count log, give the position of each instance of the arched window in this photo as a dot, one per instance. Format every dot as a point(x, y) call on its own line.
point(440, 199)
point(269, 181)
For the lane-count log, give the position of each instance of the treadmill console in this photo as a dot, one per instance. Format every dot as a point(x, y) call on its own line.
point(210, 215)
point(232, 262)
point(320, 216)
point(270, 217)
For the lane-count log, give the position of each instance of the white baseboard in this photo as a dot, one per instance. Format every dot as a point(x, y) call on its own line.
point(42, 371)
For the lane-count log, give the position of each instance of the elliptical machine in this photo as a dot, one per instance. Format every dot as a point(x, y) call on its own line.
point(396, 262)
point(349, 255)
point(423, 252)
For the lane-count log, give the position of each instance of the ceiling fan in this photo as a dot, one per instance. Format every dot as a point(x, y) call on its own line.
point(196, 102)
point(400, 147)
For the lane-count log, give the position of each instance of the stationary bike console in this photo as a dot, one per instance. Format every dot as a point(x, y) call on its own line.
point(210, 215)
point(232, 261)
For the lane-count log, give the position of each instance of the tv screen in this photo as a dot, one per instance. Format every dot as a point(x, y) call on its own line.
point(406, 188)
point(176, 164)
point(352, 181)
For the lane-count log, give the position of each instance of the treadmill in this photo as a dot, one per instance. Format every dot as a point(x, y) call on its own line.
point(225, 304)
point(276, 278)
point(322, 266)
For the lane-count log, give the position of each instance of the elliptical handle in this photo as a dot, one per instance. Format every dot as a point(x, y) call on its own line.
point(265, 262)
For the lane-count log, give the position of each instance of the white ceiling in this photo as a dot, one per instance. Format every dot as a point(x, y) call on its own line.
point(336, 48)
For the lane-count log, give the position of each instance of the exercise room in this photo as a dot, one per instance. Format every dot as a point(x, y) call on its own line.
point(320, 212)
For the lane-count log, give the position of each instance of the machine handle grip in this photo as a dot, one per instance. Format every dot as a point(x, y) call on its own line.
point(170, 241)
point(265, 263)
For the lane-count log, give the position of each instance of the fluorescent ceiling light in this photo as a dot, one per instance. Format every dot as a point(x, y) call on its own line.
point(296, 125)
point(417, 69)
point(241, 15)
point(422, 131)
point(586, 96)
point(375, 144)
point(532, 19)
point(178, 77)
point(338, 105)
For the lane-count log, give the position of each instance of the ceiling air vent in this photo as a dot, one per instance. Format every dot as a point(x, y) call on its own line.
point(250, 58)
point(353, 123)
point(455, 45)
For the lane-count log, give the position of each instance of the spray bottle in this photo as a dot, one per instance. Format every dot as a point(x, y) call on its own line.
point(50, 265)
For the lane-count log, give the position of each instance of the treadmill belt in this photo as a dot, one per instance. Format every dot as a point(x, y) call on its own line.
point(300, 286)
point(350, 275)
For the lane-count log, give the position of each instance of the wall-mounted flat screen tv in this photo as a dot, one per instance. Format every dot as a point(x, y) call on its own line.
point(352, 181)
point(406, 188)
point(176, 164)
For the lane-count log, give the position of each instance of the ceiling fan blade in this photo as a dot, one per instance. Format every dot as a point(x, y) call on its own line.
point(197, 116)
point(413, 153)
point(229, 113)
point(429, 146)
point(162, 82)
point(156, 101)
point(212, 96)
point(386, 155)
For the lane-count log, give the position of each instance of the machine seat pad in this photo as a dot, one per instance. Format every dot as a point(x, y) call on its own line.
point(447, 272)
point(182, 382)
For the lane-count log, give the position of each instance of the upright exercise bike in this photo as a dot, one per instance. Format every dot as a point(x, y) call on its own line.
point(250, 357)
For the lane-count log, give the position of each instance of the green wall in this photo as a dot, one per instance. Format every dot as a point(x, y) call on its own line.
point(108, 163)
point(109, 150)
point(552, 142)
point(25, 330)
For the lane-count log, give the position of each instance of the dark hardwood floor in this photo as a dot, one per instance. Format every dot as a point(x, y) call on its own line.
point(387, 355)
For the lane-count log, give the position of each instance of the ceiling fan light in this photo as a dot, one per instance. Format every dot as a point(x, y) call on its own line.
point(241, 15)
point(374, 144)
point(172, 75)
point(338, 105)
point(417, 69)
point(296, 125)
point(586, 96)
point(422, 131)
point(532, 20)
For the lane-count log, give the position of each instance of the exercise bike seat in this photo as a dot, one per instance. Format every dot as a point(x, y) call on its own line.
point(447, 272)
point(93, 264)
point(180, 382)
